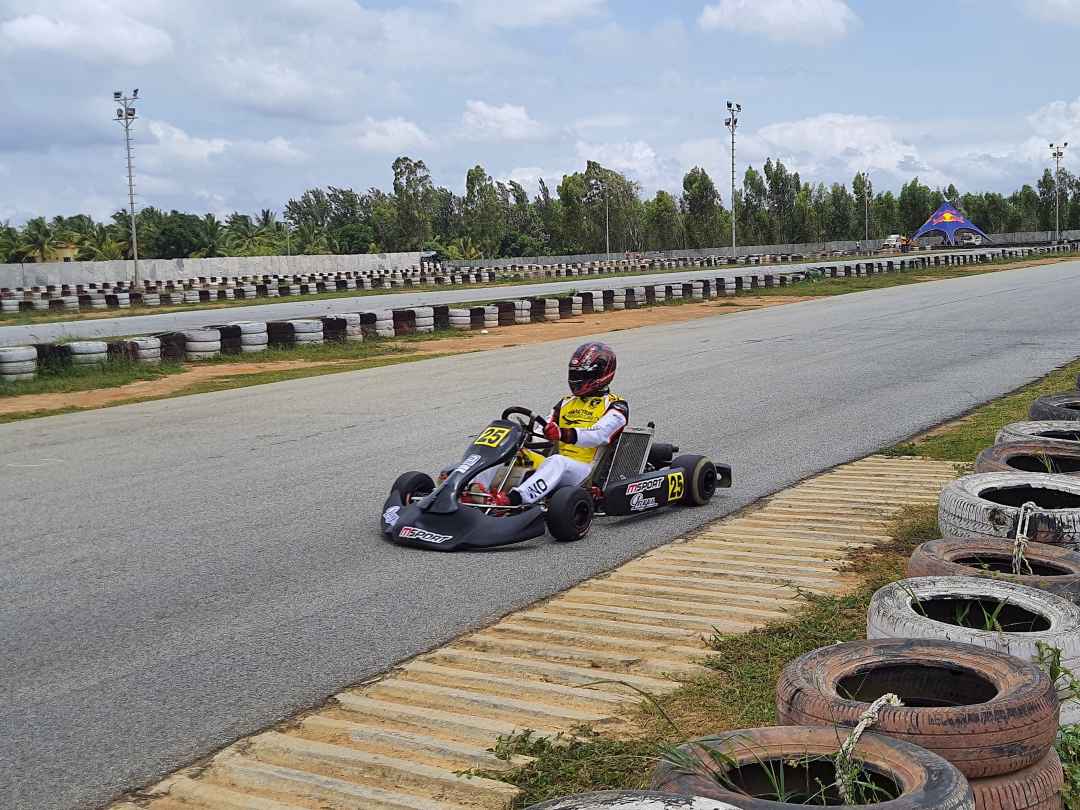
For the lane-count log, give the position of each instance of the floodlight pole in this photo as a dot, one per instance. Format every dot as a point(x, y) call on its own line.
point(1057, 152)
point(866, 206)
point(731, 123)
point(125, 116)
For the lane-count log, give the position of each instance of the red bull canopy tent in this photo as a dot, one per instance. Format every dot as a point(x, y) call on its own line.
point(948, 221)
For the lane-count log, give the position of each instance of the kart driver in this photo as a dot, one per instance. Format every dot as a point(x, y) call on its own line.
point(579, 425)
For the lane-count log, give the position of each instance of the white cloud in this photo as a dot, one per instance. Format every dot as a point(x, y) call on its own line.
point(506, 122)
point(1055, 11)
point(529, 177)
point(603, 121)
point(173, 143)
point(637, 159)
point(390, 135)
point(98, 33)
point(808, 21)
point(526, 15)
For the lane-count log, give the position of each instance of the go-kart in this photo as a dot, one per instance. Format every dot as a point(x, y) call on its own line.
point(631, 476)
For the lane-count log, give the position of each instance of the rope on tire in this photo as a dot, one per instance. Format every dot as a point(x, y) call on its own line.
point(1020, 544)
point(846, 772)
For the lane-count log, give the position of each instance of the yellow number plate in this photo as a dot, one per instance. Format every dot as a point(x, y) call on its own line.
point(492, 437)
point(676, 485)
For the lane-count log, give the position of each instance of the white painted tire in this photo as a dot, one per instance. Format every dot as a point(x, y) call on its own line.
point(202, 336)
point(190, 355)
point(16, 377)
point(1057, 430)
point(87, 347)
point(21, 367)
point(249, 349)
point(17, 354)
point(148, 354)
point(981, 506)
point(146, 343)
point(303, 327)
point(254, 339)
point(202, 346)
point(892, 614)
point(89, 359)
point(250, 327)
point(308, 337)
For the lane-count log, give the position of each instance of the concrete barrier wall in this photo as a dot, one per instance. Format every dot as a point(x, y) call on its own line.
point(31, 274)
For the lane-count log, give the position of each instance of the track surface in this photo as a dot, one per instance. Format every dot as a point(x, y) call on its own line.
point(181, 572)
point(167, 321)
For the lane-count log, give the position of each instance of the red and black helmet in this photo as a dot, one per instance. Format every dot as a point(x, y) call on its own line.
point(592, 368)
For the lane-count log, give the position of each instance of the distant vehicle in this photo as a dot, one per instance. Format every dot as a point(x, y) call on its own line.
point(968, 238)
point(893, 242)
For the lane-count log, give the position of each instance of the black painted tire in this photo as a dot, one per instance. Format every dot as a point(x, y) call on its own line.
point(1064, 407)
point(569, 514)
point(701, 479)
point(413, 484)
point(926, 781)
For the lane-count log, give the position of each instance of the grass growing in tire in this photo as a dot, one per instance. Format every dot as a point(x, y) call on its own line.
point(738, 691)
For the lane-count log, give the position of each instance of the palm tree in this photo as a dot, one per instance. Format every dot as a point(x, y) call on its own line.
point(9, 240)
point(463, 249)
point(98, 245)
point(211, 235)
point(243, 237)
point(310, 240)
point(39, 241)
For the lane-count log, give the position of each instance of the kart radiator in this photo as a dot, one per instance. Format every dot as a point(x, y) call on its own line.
point(628, 458)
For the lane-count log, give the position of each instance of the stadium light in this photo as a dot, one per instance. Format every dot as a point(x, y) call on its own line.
point(731, 123)
point(125, 116)
point(1057, 152)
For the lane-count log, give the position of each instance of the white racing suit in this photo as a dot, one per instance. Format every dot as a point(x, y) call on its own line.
point(596, 421)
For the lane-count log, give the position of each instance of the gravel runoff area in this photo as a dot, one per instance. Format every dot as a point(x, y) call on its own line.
point(164, 322)
point(183, 572)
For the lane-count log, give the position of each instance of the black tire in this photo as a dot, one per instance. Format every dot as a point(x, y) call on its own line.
point(413, 484)
point(701, 479)
point(661, 454)
point(569, 514)
point(1056, 407)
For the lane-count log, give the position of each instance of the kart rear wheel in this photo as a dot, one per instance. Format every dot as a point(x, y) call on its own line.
point(569, 514)
point(413, 485)
point(701, 479)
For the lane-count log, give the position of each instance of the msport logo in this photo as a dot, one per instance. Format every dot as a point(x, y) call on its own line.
point(644, 486)
point(413, 533)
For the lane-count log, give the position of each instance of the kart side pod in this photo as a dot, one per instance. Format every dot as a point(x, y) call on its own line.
point(654, 490)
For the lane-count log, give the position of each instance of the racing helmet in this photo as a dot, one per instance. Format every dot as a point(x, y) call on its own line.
point(592, 368)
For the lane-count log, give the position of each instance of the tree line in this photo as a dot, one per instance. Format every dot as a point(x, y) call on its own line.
point(586, 210)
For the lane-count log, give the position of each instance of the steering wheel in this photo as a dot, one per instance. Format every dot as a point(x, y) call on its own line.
point(534, 425)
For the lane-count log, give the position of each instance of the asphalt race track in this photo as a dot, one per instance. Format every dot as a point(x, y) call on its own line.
point(103, 328)
point(179, 573)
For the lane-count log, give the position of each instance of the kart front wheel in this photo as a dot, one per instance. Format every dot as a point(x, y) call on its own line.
point(701, 479)
point(413, 486)
point(569, 514)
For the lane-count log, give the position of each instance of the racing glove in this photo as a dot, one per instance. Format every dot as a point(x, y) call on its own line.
point(553, 433)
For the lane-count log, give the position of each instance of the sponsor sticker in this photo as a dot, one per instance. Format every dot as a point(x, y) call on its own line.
point(492, 437)
point(467, 464)
point(390, 516)
point(645, 486)
point(413, 533)
point(676, 485)
point(639, 503)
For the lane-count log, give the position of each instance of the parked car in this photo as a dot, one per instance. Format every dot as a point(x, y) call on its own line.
point(892, 242)
point(968, 239)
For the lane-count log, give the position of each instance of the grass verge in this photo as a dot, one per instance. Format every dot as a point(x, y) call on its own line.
point(963, 439)
point(56, 379)
point(738, 691)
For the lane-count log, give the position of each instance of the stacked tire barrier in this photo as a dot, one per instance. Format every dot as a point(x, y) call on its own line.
point(86, 352)
point(243, 337)
point(297, 332)
point(460, 319)
point(144, 350)
point(347, 328)
point(18, 363)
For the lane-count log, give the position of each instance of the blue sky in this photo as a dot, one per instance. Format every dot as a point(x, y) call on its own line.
point(246, 104)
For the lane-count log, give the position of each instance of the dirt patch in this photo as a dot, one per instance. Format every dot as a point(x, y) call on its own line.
point(498, 338)
point(145, 388)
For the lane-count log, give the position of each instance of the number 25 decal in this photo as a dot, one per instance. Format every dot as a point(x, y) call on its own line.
point(492, 437)
point(676, 485)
